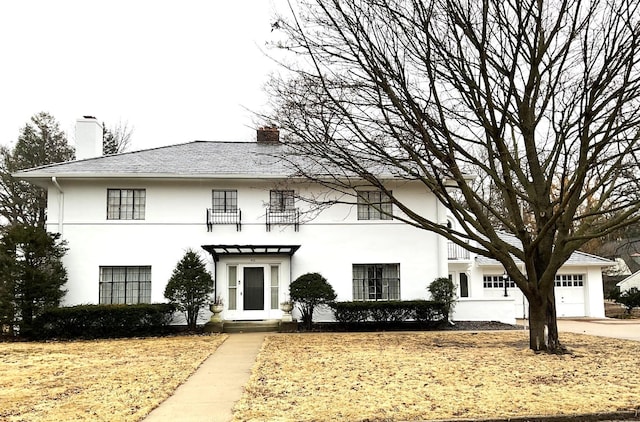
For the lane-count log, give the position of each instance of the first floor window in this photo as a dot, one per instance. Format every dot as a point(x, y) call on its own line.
point(232, 279)
point(497, 282)
point(225, 201)
point(376, 282)
point(464, 285)
point(126, 204)
point(374, 205)
point(275, 283)
point(125, 285)
point(569, 280)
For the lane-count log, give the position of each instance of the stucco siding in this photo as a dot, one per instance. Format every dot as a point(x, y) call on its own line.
point(330, 241)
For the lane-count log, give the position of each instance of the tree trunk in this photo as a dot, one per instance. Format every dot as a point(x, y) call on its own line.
point(543, 327)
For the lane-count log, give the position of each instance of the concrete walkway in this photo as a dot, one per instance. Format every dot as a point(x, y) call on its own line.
point(210, 393)
point(627, 329)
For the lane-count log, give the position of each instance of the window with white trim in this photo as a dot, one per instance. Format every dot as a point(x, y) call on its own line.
point(376, 282)
point(374, 205)
point(569, 280)
point(126, 204)
point(496, 282)
point(275, 283)
point(232, 280)
point(125, 285)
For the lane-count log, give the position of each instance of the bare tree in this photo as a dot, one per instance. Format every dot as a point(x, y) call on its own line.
point(117, 138)
point(537, 99)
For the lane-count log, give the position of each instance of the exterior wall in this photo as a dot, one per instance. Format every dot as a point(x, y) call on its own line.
point(175, 220)
point(471, 309)
point(633, 281)
point(331, 241)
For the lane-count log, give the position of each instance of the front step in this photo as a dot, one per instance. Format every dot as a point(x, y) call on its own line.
point(264, 326)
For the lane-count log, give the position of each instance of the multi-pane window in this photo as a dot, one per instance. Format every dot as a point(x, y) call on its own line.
point(275, 282)
point(225, 200)
point(125, 285)
point(126, 204)
point(376, 282)
point(281, 200)
point(374, 205)
point(569, 280)
point(232, 279)
point(497, 282)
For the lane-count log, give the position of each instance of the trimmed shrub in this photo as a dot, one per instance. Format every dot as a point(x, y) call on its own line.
point(104, 321)
point(442, 290)
point(310, 291)
point(425, 312)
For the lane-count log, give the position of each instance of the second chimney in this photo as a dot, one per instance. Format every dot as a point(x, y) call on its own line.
point(268, 134)
point(88, 138)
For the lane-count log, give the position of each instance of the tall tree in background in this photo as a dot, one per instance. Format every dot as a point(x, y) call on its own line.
point(31, 274)
point(117, 138)
point(40, 142)
point(539, 100)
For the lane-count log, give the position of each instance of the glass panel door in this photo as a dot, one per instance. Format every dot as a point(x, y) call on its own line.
point(253, 289)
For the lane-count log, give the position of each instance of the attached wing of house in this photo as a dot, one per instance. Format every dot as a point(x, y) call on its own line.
point(578, 285)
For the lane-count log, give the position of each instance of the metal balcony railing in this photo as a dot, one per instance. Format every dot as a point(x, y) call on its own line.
point(456, 252)
point(283, 217)
point(217, 217)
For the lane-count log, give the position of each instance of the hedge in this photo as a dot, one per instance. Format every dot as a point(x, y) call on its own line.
point(104, 321)
point(425, 312)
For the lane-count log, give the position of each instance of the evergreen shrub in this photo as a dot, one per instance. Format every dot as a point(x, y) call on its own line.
point(104, 321)
point(425, 312)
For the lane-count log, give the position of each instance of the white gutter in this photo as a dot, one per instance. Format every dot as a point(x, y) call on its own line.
point(54, 180)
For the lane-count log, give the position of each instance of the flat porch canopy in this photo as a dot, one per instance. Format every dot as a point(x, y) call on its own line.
point(217, 250)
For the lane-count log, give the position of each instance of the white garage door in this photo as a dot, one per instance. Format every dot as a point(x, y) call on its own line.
point(570, 295)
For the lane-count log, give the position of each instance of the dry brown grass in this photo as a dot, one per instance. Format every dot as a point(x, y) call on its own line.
point(103, 380)
point(411, 376)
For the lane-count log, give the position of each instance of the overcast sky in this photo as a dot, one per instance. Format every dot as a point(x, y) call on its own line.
point(176, 71)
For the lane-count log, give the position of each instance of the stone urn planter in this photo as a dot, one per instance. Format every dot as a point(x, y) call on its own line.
point(216, 309)
point(286, 308)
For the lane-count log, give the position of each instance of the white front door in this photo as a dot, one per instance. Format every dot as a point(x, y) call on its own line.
point(253, 291)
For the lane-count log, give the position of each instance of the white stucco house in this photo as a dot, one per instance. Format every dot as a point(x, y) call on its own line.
point(129, 218)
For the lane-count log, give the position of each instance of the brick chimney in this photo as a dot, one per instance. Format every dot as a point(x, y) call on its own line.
point(88, 138)
point(268, 134)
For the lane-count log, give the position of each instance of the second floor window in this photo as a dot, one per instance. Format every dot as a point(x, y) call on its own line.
point(281, 200)
point(126, 204)
point(225, 201)
point(374, 205)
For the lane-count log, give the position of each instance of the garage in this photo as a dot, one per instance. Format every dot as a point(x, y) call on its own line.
point(570, 295)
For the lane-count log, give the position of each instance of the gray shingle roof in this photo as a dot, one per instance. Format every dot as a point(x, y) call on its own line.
point(576, 258)
point(193, 159)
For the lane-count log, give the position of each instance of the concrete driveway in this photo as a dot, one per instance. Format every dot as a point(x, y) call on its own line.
point(628, 329)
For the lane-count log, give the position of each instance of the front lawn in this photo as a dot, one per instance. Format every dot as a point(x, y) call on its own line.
point(102, 380)
point(436, 375)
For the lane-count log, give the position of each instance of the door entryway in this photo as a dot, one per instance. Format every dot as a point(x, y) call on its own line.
point(252, 280)
point(253, 290)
